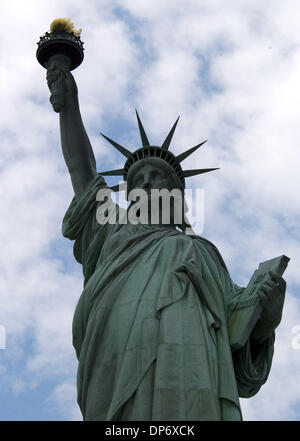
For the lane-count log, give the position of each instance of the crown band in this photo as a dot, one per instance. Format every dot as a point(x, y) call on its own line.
point(154, 152)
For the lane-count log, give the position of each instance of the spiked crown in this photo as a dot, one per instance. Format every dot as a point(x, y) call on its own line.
point(150, 151)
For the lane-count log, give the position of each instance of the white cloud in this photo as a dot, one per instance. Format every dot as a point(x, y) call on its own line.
point(65, 395)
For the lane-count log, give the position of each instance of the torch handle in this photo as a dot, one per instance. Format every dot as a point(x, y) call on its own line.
point(58, 88)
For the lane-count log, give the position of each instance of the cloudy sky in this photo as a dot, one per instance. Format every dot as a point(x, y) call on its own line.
point(231, 70)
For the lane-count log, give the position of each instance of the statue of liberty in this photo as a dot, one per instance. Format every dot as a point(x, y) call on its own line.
point(150, 329)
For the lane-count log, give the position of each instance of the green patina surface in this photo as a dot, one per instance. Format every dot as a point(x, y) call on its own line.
point(150, 328)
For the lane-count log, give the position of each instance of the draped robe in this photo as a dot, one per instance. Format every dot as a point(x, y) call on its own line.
point(150, 327)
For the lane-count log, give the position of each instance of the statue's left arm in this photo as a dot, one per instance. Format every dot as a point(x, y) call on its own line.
point(76, 147)
point(272, 294)
point(252, 362)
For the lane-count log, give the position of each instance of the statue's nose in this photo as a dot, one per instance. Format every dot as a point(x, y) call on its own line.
point(147, 182)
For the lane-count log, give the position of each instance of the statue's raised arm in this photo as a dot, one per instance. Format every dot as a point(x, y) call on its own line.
point(60, 51)
point(76, 146)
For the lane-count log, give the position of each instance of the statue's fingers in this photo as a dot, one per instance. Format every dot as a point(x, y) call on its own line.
point(280, 282)
point(51, 65)
point(66, 72)
point(270, 284)
point(52, 74)
point(52, 77)
point(267, 294)
point(262, 297)
point(265, 288)
point(64, 69)
point(277, 278)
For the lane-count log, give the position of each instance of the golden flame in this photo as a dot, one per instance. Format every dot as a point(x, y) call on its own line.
point(64, 24)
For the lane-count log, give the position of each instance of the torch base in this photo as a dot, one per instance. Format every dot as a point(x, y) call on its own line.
point(62, 43)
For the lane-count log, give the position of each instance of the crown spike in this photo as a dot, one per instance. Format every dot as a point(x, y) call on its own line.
point(118, 172)
point(184, 155)
point(188, 173)
point(144, 138)
point(121, 149)
point(168, 139)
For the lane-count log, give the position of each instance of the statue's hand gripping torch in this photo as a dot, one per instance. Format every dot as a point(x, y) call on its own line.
point(62, 49)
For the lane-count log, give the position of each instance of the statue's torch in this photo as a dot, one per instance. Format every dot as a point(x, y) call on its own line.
point(63, 45)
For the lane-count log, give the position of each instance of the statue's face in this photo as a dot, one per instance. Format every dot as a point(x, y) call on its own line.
point(155, 174)
point(150, 177)
point(149, 174)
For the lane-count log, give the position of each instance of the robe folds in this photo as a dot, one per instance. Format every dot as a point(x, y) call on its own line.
point(150, 327)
